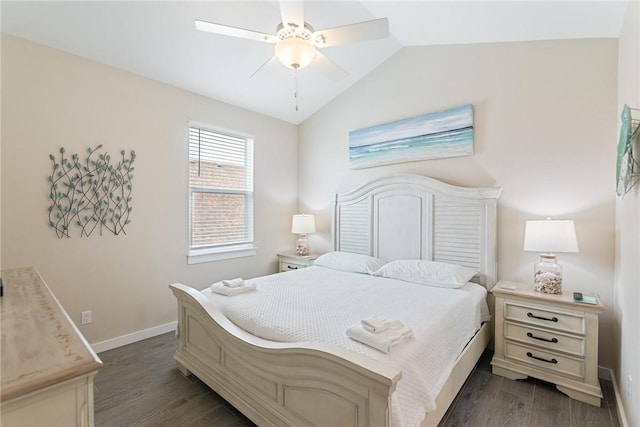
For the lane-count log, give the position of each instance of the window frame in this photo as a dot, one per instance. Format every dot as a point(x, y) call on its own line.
point(246, 248)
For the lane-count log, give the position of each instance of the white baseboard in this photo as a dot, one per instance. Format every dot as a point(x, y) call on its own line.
point(101, 346)
point(619, 408)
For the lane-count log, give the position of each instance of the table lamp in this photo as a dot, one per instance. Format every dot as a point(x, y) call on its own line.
point(303, 224)
point(548, 236)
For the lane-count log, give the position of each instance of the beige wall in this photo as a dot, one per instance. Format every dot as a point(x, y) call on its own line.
point(544, 115)
point(51, 99)
point(627, 261)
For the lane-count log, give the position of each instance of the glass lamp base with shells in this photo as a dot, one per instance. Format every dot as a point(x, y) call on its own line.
point(302, 245)
point(547, 276)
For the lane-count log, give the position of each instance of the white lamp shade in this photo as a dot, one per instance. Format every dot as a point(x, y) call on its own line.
point(303, 224)
point(295, 53)
point(550, 236)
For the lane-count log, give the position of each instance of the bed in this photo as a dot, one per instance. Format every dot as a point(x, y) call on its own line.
point(278, 381)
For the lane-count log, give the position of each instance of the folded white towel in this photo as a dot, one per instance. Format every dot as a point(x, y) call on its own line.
point(219, 288)
point(383, 341)
point(376, 324)
point(233, 283)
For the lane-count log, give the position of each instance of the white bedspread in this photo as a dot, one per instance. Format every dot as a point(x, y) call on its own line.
point(318, 304)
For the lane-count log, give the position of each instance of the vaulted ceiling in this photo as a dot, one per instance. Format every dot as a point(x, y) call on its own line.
point(158, 39)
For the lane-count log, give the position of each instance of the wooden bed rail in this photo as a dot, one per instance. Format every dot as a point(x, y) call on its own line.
point(276, 383)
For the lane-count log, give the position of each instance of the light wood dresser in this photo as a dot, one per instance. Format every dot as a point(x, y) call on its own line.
point(47, 365)
point(288, 261)
point(547, 336)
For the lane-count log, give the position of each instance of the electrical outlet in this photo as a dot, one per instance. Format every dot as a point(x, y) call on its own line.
point(629, 387)
point(86, 317)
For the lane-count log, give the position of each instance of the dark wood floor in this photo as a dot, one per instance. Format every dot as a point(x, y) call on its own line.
point(140, 385)
point(490, 400)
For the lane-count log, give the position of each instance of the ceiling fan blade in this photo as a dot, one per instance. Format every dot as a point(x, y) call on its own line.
point(227, 30)
point(267, 64)
point(292, 12)
point(368, 30)
point(328, 67)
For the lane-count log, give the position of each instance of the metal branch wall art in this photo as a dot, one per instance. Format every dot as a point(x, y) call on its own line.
point(91, 193)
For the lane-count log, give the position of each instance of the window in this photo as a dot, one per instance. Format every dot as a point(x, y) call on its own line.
point(220, 194)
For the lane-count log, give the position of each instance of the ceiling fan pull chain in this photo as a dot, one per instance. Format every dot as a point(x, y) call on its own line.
point(295, 89)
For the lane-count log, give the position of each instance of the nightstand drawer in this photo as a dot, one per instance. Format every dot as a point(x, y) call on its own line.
point(551, 340)
point(545, 360)
point(289, 261)
point(544, 318)
point(289, 266)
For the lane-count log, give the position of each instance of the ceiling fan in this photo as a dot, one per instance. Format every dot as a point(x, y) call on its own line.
point(296, 41)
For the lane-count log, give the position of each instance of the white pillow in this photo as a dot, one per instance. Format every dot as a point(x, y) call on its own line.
point(430, 273)
point(346, 261)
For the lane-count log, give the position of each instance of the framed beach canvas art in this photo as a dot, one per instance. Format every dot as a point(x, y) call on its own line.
point(447, 133)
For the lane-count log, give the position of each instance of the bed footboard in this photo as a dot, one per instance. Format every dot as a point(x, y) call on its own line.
point(280, 383)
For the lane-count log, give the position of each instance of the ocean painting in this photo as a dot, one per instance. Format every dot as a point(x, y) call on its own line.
point(448, 133)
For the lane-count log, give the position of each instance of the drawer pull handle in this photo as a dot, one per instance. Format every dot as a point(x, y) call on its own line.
point(553, 340)
point(554, 361)
point(553, 319)
point(292, 268)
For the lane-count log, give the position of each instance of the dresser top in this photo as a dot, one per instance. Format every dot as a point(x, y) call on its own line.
point(526, 291)
point(40, 344)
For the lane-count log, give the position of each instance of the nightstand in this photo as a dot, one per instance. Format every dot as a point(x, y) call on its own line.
point(288, 261)
point(547, 336)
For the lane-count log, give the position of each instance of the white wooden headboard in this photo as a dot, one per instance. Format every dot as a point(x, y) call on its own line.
point(415, 217)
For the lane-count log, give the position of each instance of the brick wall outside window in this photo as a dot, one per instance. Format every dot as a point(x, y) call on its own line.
point(217, 218)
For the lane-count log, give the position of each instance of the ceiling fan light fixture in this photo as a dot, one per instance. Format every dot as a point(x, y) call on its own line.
point(295, 53)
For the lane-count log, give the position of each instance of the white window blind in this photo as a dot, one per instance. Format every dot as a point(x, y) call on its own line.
point(220, 189)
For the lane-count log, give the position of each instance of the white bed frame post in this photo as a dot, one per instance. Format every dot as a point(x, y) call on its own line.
point(490, 238)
